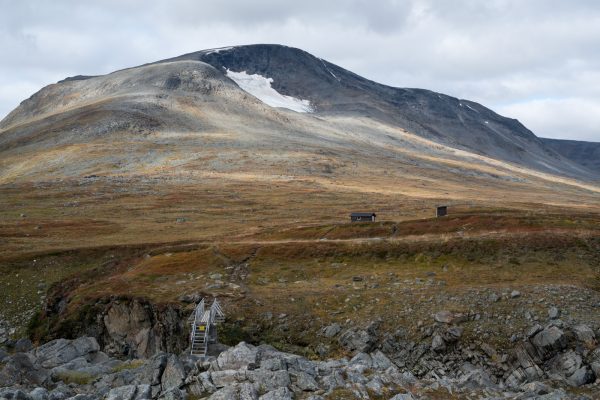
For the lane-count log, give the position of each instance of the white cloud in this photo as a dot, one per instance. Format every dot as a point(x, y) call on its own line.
point(504, 54)
point(555, 117)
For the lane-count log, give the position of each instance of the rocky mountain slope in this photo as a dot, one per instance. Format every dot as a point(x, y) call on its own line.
point(333, 90)
point(219, 101)
point(583, 153)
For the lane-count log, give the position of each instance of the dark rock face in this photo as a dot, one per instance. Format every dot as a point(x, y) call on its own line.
point(126, 327)
point(139, 329)
point(361, 340)
point(334, 90)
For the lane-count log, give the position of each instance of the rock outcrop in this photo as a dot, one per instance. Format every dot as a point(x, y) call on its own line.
point(77, 369)
point(124, 327)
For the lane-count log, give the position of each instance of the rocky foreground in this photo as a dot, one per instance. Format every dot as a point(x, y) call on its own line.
point(554, 361)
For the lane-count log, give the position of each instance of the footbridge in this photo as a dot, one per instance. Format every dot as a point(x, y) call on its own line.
point(204, 326)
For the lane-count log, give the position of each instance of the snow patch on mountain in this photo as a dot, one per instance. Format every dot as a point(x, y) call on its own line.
point(260, 87)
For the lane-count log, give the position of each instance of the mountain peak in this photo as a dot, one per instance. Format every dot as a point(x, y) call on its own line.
point(256, 82)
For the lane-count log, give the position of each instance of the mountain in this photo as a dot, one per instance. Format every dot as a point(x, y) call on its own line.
point(211, 111)
point(332, 90)
point(580, 152)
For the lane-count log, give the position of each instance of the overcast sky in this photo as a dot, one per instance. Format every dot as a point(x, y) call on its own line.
point(535, 60)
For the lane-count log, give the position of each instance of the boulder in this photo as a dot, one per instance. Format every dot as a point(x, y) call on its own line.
point(61, 351)
point(23, 345)
point(584, 334)
point(239, 357)
point(282, 393)
point(122, 393)
point(375, 386)
point(531, 332)
point(300, 364)
point(549, 341)
point(445, 317)
point(22, 368)
point(13, 394)
point(535, 388)
point(553, 313)
point(361, 359)
point(3, 333)
point(475, 378)
point(581, 377)
point(266, 380)
point(173, 374)
point(494, 298)
point(200, 384)
point(525, 366)
point(227, 377)
point(438, 344)
point(333, 381)
point(403, 396)
point(359, 340)
point(565, 364)
point(332, 330)
point(241, 391)
point(174, 394)
point(452, 334)
point(304, 382)
point(380, 361)
point(39, 393)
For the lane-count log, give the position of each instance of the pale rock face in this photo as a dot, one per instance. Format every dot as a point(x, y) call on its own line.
point(237, 357)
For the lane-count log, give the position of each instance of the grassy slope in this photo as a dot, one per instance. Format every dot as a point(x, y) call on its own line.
point(291, 241)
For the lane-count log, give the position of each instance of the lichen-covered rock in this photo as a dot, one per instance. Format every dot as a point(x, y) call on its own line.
point(283, 393)
point(332, 330)
point(122, 393)
point(581, 377)
point(173, 374)
point(227, 377)
point(61, 351)
point(238, 357)
point(304, 382)
point(39, 393)
point(584, 334)
point(549, 341)
point(241, 391)
point(438, 344)
point(265, 380)
point(359, 340)
point(565, 364)
point(23, 368)
point(380, 361)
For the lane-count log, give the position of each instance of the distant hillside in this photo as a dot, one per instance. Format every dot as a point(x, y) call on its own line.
point(584, 153)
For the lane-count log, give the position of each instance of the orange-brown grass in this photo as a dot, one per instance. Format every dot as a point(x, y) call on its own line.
point(312, 282)
point(127, 238)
